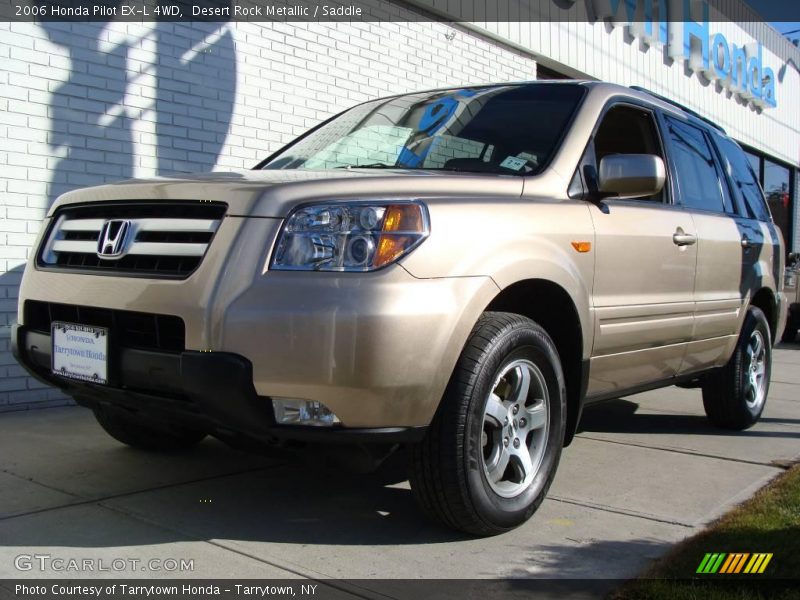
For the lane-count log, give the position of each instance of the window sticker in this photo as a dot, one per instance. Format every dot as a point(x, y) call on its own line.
point(513, 162)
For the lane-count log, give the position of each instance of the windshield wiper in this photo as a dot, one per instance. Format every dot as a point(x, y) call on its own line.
point(371, 166)
point(477, 171)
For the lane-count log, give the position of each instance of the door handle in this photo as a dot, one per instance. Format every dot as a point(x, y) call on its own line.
point(680, 238)
point(746, 243)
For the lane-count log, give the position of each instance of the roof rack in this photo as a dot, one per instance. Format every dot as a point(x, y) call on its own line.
point(679, 105)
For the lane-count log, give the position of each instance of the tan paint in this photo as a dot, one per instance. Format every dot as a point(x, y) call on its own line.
point(379, 348)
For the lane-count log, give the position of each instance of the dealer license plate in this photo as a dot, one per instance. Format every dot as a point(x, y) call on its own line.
point(80, 352)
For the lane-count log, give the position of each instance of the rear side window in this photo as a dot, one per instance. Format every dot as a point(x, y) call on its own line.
point(696, 172)
point(744, 180)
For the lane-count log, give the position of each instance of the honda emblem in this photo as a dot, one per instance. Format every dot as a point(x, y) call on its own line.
point(113, 238)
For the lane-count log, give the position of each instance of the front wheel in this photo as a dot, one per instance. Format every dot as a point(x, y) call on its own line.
point(493, 447)
point(735, 395)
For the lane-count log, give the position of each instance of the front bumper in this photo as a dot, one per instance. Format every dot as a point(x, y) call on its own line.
point(376, 348)
point(209, 391)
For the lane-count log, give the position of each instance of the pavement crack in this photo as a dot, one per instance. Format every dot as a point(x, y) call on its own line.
point(620, 511)
point(327, 582)
point(39, 483)
point(85, 501)
point(685, 451)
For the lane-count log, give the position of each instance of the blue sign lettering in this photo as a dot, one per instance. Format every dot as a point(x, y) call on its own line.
point(739, 69)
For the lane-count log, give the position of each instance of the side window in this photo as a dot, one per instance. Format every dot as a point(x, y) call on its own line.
point(744, 180)
point(698, 180)
point(627, 130)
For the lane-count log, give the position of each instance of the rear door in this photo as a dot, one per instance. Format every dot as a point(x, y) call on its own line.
point(702, 192)
point(760, 239)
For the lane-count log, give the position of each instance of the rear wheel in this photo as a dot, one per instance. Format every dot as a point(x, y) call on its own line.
point(734, 397)
point(493, 447)
point(138, 433)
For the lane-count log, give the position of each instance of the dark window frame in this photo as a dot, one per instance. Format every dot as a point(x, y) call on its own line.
point(794, 176)
point(588, 156)
point(739, 201)
point(789, 214)
point(728, 206)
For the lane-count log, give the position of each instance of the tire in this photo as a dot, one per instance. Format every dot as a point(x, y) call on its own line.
point(734, 396)
point(464, 474)
point(137, 433)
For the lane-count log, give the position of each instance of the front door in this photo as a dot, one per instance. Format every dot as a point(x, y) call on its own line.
point(643, 293)
point(646, 256)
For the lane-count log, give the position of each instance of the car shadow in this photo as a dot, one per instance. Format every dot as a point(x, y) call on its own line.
point(589, 558)
point(120, 497)
point(793, 345)
point(622, 416)
point(299, 496)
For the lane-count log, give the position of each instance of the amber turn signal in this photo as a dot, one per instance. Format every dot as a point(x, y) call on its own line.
point(399, 219)
point(582, 247)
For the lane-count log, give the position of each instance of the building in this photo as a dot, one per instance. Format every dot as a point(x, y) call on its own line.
point(83, 103)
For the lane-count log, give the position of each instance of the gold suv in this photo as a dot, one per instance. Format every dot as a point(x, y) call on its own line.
point(456, 270)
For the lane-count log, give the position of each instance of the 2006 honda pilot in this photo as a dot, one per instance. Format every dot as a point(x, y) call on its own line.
point(458, 270)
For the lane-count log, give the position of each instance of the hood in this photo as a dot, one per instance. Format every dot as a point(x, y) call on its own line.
point(273, 193)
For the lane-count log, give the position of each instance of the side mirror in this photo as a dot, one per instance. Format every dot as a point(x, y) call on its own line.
point(631, 175)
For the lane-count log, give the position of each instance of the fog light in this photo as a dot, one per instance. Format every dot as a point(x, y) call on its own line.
point(293, 411)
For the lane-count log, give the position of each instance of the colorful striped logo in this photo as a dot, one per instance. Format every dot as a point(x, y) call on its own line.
point(734, 563)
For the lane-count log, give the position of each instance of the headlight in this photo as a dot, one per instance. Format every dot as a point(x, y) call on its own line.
point(349, 236)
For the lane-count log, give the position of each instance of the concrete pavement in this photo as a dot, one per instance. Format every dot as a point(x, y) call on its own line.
point(644, 472)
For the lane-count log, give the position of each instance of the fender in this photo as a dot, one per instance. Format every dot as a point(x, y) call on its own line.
point(516, 240)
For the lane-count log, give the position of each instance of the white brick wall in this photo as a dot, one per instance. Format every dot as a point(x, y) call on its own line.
point(81, 104)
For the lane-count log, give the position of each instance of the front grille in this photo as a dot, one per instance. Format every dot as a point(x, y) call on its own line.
point(161, 239)
point(143, 331)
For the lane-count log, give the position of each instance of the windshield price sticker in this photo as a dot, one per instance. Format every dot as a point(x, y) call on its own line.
point(513, 162)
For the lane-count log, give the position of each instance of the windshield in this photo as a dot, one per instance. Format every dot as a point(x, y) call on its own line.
point(511, 129)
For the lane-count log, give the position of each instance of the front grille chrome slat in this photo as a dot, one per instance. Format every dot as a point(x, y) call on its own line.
point(74, 246)
point(83, 225)
point(189, 225)
point(161, 240)
point(167, 249)
point(137, 248)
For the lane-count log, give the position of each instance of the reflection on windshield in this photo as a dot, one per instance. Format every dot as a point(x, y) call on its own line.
point(510, 129)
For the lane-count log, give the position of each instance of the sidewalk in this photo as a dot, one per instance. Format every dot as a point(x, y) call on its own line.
point(644, 472)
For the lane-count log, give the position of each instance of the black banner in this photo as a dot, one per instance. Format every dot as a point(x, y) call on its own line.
point(377, 589)
point(304, 589)
point(397, 10)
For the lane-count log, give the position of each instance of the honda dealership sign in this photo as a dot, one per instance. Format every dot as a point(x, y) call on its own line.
point(684, 26)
